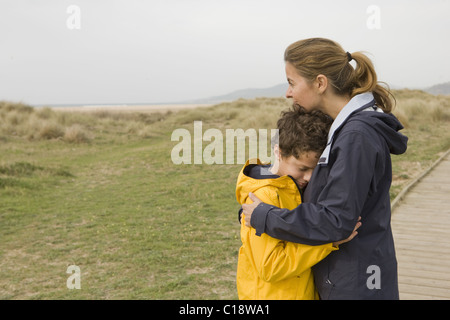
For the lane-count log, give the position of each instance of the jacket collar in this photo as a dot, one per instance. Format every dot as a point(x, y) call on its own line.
point(357, 103)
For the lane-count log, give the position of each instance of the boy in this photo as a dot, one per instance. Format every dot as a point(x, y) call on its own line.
point(269, 268)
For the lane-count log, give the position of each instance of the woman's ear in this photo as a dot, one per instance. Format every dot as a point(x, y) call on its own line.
point(321, 83)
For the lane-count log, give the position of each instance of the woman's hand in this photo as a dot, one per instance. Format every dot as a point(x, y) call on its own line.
point(354, 233)
point(247, 209)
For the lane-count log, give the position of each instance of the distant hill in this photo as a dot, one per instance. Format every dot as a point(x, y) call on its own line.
point(280, 91)
point(250, 93)
point(443, 88)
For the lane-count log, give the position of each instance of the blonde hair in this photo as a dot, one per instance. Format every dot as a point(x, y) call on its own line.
point(315, 56)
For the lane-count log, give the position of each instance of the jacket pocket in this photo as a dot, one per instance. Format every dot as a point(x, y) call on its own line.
point(325, 289)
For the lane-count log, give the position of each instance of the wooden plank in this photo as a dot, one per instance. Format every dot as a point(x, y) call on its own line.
point(421, 212)
point(417, 247)
point(425, 230)
point(432, 292)
point(428, 254)
point(425, 238)
point(437, 264)
point(411, 296)
point(426, 282)
point(420, 220)
point(430, 275)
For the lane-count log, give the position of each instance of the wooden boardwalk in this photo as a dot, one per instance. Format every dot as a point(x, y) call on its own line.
point(421, 227)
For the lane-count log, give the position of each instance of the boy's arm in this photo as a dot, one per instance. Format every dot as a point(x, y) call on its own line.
point(277, 260)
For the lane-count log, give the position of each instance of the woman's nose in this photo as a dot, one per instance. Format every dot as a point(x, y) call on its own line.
point(289, 93)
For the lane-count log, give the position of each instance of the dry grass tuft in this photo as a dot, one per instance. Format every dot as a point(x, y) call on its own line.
point(51, 130)
point(417, 108)
point(76, 134)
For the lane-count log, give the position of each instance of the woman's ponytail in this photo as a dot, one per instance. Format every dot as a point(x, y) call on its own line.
point(365, 80)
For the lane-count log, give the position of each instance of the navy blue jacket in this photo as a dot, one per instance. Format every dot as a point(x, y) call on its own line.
point(352, 179)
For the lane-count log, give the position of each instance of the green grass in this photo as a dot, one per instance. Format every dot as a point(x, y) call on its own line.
point(138, 226)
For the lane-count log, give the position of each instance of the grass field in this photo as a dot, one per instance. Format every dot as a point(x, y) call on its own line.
point(99, 190)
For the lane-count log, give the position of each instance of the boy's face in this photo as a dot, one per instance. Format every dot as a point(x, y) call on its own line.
point(300, 169)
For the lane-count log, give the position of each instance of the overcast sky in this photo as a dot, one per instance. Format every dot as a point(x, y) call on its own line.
point(136, 51)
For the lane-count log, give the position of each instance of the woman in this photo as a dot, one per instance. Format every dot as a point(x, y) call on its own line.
point(352, 178)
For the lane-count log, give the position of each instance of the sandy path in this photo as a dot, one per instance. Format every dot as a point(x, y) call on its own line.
point(130, 108)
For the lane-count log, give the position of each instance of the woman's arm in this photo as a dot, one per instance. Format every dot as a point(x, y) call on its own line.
point(338, 206)
point(277, 260)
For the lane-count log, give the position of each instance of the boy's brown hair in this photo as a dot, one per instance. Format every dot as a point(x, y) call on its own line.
point(300, 131)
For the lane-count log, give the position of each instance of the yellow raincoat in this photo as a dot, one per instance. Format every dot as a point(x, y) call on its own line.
point(269, 268)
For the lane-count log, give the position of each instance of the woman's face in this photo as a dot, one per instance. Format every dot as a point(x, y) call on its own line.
point(300, 90)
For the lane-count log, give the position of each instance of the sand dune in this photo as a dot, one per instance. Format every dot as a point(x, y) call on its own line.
point(129, 108)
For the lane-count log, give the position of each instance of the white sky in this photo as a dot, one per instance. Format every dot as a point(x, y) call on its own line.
point(136, 51)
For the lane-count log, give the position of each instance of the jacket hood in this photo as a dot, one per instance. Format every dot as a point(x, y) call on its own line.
point(250, 181)
point(388, 126)
point(363, 107)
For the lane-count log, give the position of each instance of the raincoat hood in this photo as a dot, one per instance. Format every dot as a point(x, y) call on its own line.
point(253, 177)
point(388, 127)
